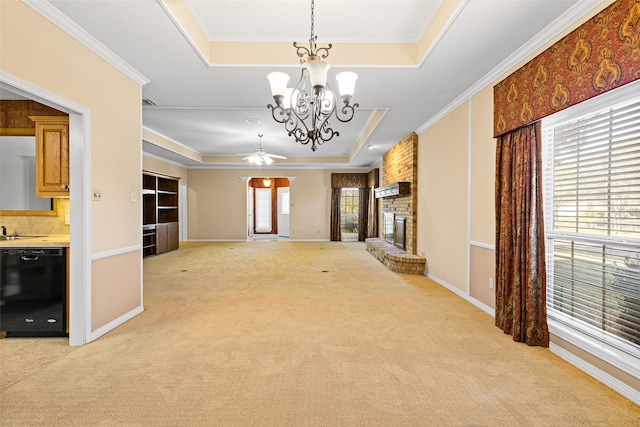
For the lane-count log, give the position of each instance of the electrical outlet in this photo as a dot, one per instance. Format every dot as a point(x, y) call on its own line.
point(490, 282)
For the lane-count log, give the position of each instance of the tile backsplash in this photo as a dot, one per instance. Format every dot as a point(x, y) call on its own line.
point(45, 225)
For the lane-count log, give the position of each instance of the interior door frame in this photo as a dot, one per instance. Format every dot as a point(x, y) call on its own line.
point(79, 203)
point(183, 194)
point(282, 223)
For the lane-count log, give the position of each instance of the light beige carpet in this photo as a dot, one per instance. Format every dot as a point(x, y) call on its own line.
point(297, 334)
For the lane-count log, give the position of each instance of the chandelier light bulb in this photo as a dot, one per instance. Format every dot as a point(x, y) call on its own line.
point(278, 82)
point(318, 70)
point(347, 83)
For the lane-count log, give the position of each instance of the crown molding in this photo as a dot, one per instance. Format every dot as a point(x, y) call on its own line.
point(579, 10)
point(63, 22)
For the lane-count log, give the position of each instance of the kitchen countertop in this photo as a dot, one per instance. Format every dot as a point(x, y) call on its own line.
point(51, 241)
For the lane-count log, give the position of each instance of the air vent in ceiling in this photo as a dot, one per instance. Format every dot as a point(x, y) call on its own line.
point(148, 102)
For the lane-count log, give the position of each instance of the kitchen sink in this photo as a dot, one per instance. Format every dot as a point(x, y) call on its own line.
point(14, 237)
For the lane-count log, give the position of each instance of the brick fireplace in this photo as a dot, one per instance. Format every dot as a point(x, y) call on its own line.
point(396, 244)
point(400, 164)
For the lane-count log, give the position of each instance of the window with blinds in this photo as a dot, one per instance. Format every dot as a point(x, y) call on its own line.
point(592, 222)
point(263, 210)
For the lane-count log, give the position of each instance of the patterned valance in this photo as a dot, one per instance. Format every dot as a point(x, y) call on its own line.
point(600, 55)
point(349, 180)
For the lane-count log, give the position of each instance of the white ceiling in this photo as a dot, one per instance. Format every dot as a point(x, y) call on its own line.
point(206, 107)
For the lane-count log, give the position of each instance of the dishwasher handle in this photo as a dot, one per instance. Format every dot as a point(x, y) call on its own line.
point(30, 257)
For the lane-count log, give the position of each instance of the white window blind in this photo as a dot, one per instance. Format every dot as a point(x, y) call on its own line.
point(263, 210)
point(592, 222)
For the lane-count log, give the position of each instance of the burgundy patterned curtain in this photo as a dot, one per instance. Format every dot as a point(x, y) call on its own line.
point(520, 256)
point(334, 233)
point(372, 217)
point(363, 213)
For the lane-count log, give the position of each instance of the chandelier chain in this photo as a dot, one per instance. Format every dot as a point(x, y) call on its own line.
point(313, 37)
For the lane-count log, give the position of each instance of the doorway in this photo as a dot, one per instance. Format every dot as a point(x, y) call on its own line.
point(349, 208)
point(80, 205)
point(268, 208)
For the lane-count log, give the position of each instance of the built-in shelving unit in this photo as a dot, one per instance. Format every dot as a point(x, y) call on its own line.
point(159, 214)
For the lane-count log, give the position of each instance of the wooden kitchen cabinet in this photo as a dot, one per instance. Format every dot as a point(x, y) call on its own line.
point(52, 155)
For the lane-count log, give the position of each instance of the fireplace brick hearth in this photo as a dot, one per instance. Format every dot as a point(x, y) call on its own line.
point(394, 258)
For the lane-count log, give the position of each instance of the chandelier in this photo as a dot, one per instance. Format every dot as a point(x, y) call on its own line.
point(305, 109)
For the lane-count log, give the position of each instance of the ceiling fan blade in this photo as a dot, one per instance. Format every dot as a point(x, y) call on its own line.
point(275, 156)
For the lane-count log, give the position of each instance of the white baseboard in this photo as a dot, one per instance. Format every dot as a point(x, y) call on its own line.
point(482, 306)
point(606, 379)
point(115, 323)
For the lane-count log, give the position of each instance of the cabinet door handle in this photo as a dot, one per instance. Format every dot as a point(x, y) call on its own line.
point(65, 186)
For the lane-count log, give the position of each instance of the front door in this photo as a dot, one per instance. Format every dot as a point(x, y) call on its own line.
point(283, 211)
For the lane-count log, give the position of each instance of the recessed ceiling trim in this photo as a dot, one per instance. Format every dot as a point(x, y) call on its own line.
point(220, 53)
point(63, 22)
point(374, 119)
point(167, 143)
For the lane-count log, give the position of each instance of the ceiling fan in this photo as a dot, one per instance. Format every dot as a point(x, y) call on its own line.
point(260, 157)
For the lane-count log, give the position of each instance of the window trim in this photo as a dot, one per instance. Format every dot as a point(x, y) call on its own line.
point(594, 341)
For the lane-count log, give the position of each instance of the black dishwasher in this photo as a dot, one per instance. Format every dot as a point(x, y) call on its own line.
point(33, 292)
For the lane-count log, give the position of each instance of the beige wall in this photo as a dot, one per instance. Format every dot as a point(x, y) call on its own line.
point(482, 263)
point(151, 164)
point(110, 302)
point(442, 201)
point(442, 198)
point(483, 160)
point(442, 208)
point(218, 203)
point(38, 52)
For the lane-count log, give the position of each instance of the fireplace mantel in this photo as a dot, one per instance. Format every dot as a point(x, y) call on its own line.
point(393, 189)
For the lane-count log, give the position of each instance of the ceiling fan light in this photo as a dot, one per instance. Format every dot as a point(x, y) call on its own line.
point(318, 70)
point(268, 160)
point(347, 83)
point(278, 82)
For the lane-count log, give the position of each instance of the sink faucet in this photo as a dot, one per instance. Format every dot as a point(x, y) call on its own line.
point(4, 230)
